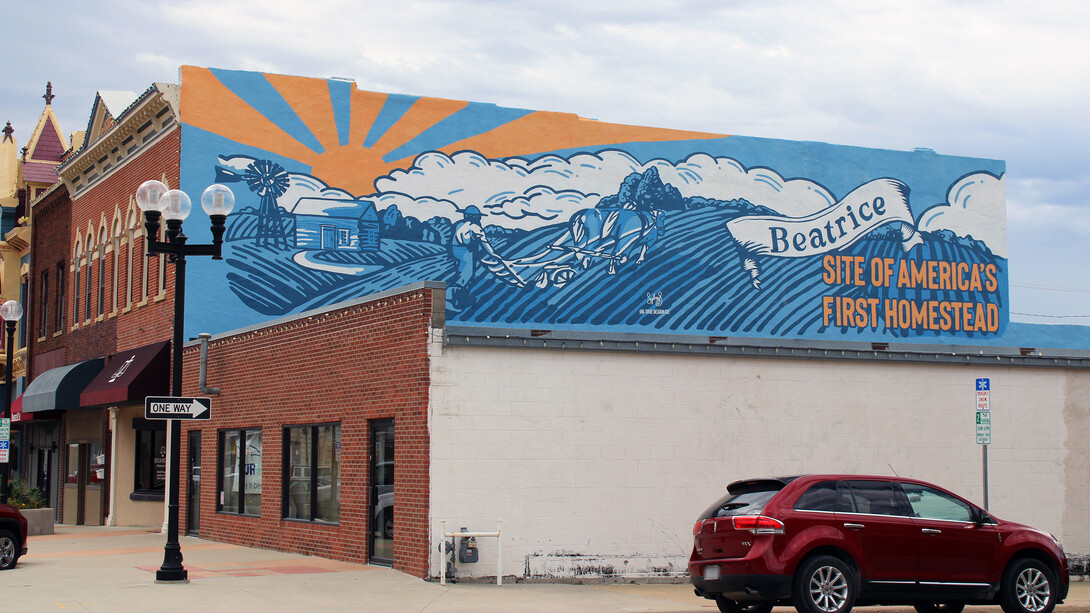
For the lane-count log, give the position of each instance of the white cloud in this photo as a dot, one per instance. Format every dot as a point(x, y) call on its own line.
point(523, 194)
point(974, 207)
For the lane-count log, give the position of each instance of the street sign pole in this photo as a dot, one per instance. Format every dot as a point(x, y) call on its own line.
point(983, 389)
point(984, 459)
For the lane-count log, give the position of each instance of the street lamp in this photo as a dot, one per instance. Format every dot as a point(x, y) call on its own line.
point(174, 205)
point(12, 312)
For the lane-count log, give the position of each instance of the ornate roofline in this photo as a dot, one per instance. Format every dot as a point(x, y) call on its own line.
point(145, 121)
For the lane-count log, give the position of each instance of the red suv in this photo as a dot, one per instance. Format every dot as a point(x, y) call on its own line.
point(826, 543)
point(13, 528)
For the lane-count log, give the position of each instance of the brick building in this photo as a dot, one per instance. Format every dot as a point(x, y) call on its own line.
point(552, 328)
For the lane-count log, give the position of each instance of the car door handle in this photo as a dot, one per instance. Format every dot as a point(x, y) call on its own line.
point(931, 531)
point(854, 526)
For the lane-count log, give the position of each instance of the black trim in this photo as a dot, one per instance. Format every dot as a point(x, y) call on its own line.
point(745, 588)
point(153, 496)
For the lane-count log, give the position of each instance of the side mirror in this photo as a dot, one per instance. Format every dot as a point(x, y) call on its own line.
point(980, 516)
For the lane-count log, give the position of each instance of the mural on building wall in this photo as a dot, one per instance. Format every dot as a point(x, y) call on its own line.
point(547, 220)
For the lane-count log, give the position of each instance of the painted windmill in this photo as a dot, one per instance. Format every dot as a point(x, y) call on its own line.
point(269, 181)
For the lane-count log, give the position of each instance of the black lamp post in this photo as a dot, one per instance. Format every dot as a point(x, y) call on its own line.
point(174, 206)
point(12, 312)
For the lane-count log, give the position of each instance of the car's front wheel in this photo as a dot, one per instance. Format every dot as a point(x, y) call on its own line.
point(730, 606)
point(9, 550)
point(1029, 586)
point(824, 584)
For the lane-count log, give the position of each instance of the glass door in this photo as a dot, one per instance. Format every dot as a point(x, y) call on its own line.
point(193, 497)
point(382, 492)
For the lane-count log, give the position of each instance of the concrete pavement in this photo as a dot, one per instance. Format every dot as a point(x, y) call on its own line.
point(113, 569)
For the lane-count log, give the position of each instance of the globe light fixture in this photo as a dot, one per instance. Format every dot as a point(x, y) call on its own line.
point(175, 205)
point(11, 311)
point(148, 195)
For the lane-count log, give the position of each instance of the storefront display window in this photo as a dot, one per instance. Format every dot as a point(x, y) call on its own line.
point(312, 473)
point(151, 459)
point(240, 471)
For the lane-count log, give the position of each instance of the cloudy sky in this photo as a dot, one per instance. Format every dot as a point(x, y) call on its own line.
point(1007, 80)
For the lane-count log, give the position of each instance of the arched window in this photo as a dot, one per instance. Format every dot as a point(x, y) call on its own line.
point(102, 271)
point(145, 283)
point(88, 287)
point(116, 243)
point(131, 229)
point(76, 263)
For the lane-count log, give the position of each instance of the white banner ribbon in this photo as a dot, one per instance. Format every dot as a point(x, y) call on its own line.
point(867, 207)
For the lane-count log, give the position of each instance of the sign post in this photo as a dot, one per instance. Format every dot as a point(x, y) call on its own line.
point(984, 425)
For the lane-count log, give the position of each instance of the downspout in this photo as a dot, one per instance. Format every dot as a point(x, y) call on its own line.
point(203, 379)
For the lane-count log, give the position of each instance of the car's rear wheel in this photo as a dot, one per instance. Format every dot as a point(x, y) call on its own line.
point(824, 584)
point(1028, 587)
point(948, 607)
point(9, 550)
point(730, 606)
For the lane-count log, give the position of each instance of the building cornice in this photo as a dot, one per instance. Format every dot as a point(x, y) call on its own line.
point(149, 119)
point(738, 347)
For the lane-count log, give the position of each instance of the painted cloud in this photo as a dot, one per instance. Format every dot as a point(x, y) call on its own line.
point(975, 206)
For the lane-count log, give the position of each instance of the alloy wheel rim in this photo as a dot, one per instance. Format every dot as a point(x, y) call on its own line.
point(7, 551)
point(828, 588)
point(1033, 590)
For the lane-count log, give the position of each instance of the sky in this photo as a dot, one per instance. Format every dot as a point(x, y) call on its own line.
point(1007, 80)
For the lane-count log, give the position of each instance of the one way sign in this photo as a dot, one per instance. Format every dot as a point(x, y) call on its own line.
point(173, 407)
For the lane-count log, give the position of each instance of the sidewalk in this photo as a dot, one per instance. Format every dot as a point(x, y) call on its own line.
point(113, 569)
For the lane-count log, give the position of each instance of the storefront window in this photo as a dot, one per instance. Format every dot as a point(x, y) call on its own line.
point(151, 459)
point(240, 471)
point(97, 472)
point(313, 473)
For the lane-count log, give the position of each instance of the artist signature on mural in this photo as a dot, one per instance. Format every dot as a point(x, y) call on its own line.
point(654, 300)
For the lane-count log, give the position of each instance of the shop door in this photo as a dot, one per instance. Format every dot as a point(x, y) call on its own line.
point(43, 475)
point(75, 486)
point(193, 497)
point(83, 486)
point(382, 492)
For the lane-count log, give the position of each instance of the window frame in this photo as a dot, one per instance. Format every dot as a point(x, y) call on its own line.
point(313, 457)
point(89, 286)
point(60, 297)
point(76, 267)
point(102, 272)
point(243, 436)
point(158, 489)
point(43, 324)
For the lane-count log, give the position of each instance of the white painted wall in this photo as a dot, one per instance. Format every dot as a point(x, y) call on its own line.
point(599, 463)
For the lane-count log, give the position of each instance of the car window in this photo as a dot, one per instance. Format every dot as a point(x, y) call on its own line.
point(821, 496)
point(876, 498)
point(929, 503)
point(745, 503)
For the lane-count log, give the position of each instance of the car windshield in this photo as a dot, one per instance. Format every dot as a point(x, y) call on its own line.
point(750, 501)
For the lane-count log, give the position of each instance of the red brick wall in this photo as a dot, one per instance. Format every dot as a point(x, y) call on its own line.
point(50, 244)
point(54, 233)
point(143, 324)
point(351, 365)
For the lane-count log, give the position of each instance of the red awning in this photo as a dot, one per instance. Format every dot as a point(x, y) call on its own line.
point(17, 414)
point(130, 376)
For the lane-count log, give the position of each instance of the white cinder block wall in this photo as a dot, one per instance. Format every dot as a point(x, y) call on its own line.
point(598, 463)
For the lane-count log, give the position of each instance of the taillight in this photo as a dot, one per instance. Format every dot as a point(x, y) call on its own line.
point(758, 524)
point(696, 527)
